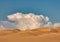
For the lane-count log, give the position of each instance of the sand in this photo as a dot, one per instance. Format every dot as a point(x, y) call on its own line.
point(36, 35)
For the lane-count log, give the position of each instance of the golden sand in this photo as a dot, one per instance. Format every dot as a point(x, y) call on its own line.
point(36, 35)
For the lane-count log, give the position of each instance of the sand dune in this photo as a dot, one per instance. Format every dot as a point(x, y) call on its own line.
point(36, 35)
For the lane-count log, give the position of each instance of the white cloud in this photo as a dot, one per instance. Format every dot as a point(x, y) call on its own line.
point(29, 21)
point(6, 25)
point(56, 25)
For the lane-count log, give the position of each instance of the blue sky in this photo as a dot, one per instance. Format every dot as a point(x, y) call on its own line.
point(50, 8)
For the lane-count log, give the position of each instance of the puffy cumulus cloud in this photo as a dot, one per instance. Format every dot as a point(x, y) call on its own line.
point(29, 21)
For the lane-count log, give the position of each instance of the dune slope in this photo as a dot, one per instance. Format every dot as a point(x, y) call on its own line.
point(36, 35)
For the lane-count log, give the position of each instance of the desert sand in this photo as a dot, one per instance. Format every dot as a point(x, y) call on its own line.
point(36, 35)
